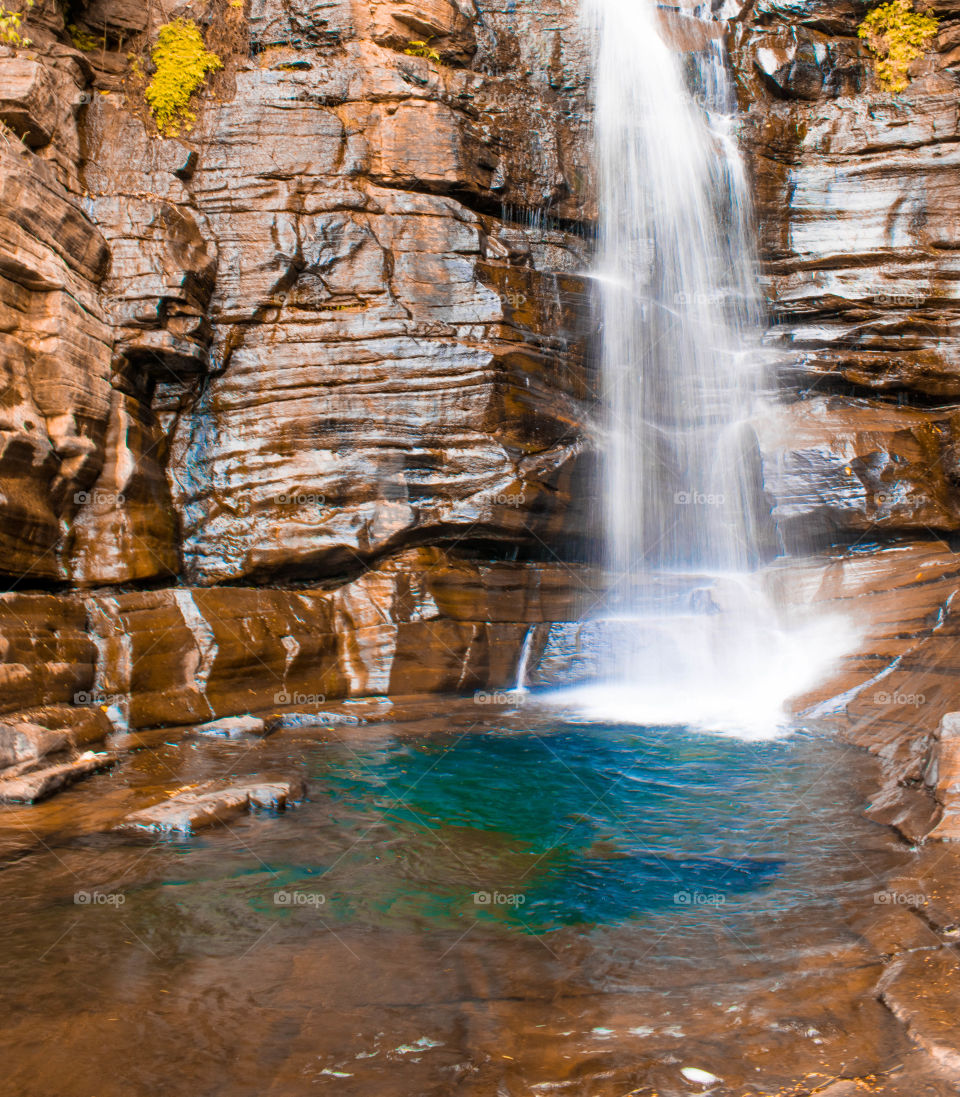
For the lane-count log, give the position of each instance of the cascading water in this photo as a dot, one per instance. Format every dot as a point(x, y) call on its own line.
point(680, 311)
point(688, 635)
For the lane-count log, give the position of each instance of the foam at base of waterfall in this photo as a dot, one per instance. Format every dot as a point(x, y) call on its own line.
point(718, 673)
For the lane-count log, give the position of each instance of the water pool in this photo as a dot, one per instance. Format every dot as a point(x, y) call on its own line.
point(470, 902)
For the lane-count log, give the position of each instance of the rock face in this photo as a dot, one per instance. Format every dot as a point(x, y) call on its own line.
point(342, 317)
point(420, 622)
point(323, 326)
point(857, 200)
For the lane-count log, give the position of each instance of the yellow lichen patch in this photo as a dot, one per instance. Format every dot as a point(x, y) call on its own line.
point(897, 36)
point(422, 49)
point(182, 61)
point(10, 27)
point(84, 42)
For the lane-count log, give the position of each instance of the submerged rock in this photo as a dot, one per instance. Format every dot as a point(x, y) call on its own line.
point(288, 720)
point(698, 1076)
point(208, 805)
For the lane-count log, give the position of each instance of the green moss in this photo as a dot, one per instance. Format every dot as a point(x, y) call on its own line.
point(422, 49)
point(897, 36)
point(182, 61)
point(10, 27)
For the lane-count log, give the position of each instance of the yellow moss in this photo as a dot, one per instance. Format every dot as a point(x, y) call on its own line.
point(10, 27)
point(182, 61)
point(897, 36)
point(421, 49)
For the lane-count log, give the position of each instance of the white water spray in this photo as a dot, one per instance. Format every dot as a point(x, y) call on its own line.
point(690, 638)
point(523, 666)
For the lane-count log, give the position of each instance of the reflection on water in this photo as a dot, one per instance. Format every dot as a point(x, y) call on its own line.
point(461, 907)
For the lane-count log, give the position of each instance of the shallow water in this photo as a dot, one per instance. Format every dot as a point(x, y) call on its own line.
point(470, 902)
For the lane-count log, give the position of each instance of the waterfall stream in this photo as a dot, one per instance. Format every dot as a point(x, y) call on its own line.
point(689, 635)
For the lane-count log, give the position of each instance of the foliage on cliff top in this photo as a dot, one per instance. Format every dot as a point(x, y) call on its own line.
point(10, 27)
point(897, 35)
point(182, 61)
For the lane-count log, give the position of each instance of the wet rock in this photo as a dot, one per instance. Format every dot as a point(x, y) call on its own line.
point(833, 465)
point(894, 931)
point(286, 721)
point(921, 990)
point(234, 727)
point(23, 742)
point(942, 775)
point(421, 622)
point(37, 784)
point(55, 361)
point(207, 805)
point(855, 199)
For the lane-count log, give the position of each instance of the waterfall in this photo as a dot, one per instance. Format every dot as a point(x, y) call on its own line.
point(524, 663)
point(689, 634)
point(679, 304)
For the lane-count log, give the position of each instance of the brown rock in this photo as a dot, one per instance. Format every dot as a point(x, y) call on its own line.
point(25, 742)
point(205, 806)
point(46, 654)
point(921, 989)
point(422, 621)
point(28, 103)
point(835, 466)
point(40, 783)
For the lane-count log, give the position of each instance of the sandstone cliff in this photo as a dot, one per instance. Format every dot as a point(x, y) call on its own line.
point(306, 394)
